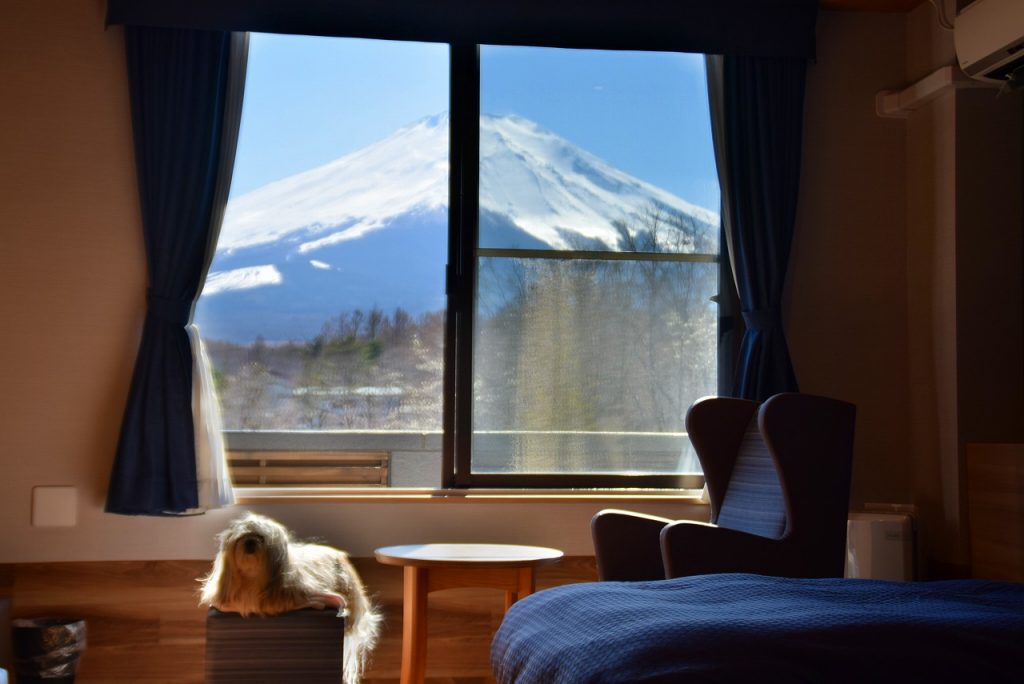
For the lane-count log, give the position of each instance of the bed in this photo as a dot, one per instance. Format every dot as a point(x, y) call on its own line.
point(740, 628)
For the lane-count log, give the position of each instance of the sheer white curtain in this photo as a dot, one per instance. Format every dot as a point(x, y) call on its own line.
point(213, 480)
point(212, 477)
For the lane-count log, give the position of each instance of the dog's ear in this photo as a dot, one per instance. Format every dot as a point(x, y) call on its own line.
point(216, 585)
point(222, 538)
point(276, 550)
point(230, 534)
point(251, 519)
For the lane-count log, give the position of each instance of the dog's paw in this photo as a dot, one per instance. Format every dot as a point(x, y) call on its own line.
point(332, 600)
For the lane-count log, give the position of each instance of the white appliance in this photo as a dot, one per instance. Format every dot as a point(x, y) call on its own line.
point(989, 39)
point(880, 546)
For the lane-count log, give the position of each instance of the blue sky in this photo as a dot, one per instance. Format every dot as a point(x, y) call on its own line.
point(310, 100)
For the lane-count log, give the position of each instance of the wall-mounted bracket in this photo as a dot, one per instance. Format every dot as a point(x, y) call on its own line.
point(900, 103)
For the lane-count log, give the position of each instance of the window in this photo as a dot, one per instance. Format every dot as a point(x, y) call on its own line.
point(324, 309)
point(580, 256)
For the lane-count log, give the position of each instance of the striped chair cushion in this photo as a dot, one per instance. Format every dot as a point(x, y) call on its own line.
point(753, 502)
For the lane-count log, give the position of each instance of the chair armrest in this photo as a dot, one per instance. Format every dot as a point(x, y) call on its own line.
point(627, 546)
point(693, 548)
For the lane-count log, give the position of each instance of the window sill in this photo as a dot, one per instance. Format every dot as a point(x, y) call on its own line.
point(258, 495)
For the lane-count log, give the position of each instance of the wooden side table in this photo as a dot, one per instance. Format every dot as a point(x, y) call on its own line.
point(431, 567)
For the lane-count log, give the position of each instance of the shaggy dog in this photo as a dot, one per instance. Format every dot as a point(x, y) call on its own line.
point(259, 570)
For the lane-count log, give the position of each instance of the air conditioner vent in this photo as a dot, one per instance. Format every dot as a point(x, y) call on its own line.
point(1004, 71)
point(989, 38)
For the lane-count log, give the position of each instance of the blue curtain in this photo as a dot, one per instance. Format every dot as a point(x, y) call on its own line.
point(757, 112)
point(179, 86)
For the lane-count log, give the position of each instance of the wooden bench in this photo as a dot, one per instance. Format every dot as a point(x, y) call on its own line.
point(310, 468)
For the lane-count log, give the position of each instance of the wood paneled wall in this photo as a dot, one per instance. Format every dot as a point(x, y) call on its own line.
point(144, 624)
point(995, 496)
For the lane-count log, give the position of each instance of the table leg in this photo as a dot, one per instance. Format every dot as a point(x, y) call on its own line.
point(510, 598)
point(414, 625)
point(525, 585)
point(527, 582)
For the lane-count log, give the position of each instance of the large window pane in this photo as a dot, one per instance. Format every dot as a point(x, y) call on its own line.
point(589, 366)
point(324, 307)
point(594, 328)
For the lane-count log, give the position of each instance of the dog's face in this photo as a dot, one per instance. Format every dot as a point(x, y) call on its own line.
point(255, 546)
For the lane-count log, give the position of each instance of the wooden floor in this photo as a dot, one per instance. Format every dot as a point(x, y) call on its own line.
point(144, 624)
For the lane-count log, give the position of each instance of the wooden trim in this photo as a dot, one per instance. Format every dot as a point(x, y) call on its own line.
point(257, 496)
point(274, 469)
point(995, 501)
point(347, 457)
point(588, 481)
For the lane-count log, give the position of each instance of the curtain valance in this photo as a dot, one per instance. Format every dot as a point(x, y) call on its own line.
point(780, 28)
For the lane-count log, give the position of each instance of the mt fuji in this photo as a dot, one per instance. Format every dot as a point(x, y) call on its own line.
point(370, 228)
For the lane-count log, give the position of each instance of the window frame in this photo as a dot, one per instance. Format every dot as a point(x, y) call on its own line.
point(460, 288)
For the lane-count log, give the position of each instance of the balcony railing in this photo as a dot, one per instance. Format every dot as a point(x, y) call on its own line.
point(413, 459)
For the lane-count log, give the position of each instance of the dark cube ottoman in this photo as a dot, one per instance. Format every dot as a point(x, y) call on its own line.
point(301, 646)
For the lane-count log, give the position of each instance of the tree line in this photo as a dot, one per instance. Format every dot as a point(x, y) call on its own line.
point(560, 345)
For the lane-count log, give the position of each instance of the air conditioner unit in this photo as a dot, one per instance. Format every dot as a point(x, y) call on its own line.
point(989, 39)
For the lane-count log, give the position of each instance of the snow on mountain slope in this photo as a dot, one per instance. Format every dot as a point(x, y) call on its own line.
point(541, 182)
point(370, 228)
point(547, 186)
point(348, 197)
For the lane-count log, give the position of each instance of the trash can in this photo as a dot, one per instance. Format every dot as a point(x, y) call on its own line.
point(46, 650)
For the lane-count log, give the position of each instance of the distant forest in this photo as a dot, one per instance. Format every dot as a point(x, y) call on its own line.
point(365, 370)
point(568, 345)
point(599, 345)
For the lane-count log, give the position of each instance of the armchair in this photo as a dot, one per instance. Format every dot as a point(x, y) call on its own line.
point(778, 479)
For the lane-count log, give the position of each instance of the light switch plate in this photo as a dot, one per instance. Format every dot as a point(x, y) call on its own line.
point(54, 506)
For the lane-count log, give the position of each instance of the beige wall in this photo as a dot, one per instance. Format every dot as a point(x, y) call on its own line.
point(846, 303)
point(905, 289)
point(931, 289)
point(73, 280)
point(931, 286)
point(964, 285)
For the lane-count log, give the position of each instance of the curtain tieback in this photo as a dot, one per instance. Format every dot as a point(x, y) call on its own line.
point(762, 319)
point(172, 311)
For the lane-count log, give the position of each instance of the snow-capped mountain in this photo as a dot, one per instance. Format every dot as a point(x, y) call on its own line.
point(348, 197)
point(551, 189)
point(370, 228)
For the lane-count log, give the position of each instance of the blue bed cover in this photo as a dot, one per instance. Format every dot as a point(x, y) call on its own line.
point(751, 628)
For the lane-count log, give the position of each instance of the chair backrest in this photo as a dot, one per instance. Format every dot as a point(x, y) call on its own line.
point(781, 470)
point(811, 439)
point(753, 500)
